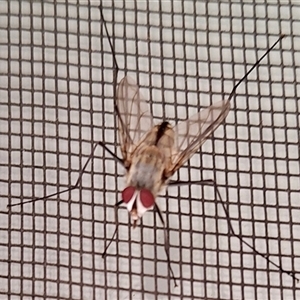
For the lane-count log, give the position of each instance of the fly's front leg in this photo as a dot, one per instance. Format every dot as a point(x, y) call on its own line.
point(117, 227)
point(166, 240)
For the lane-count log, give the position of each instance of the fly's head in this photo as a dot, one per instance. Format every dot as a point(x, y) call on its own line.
point(138, 201)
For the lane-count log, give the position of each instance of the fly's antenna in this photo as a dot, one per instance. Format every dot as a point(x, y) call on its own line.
point(254, 66)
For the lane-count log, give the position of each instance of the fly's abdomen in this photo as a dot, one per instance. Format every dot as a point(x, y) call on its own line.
point(147, 169)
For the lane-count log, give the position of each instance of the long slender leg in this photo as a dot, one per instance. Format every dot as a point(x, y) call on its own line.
point(231, 229)
point(115, 78)
point(118, 159)
point(166, 240)
point(115, 232)
point(79, 180)
point(116, 67)
point(116, 70)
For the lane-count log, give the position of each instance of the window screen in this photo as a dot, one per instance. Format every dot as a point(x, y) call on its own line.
point(56, 98)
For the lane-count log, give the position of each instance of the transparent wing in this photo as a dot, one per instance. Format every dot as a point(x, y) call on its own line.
point(134, 116)
point(192, 133)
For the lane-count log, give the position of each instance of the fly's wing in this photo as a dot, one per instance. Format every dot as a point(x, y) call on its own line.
point(192, 133)
point(134, 116)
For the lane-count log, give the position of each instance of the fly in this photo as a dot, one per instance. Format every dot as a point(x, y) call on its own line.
point(152, 157)
point(151, 154)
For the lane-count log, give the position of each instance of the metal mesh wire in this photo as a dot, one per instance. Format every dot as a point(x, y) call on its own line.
point(56, 100)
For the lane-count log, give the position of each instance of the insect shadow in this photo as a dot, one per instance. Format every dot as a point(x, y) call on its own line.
point(151, 154)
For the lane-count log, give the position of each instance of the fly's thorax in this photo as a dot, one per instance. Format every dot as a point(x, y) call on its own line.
point(150, 155)
point(152, 159)
point(163, 137)
point(165, 143)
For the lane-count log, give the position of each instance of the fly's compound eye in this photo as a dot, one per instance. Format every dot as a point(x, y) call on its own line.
point(128, 193)
point(147, 198)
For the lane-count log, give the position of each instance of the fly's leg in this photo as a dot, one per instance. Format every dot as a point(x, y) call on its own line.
point(231, 229)
point(118, 159)
point(121, 161)
point(79, 180)
point(115, 64)
point(115, 232)
point(166, 237)
point(166, 242)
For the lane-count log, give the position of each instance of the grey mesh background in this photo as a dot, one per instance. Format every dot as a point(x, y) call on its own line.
point(56, 88)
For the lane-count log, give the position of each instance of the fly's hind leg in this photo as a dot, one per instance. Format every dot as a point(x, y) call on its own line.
point(231, 229)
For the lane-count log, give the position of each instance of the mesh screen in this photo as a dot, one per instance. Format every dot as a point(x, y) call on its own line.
point(56, 97)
